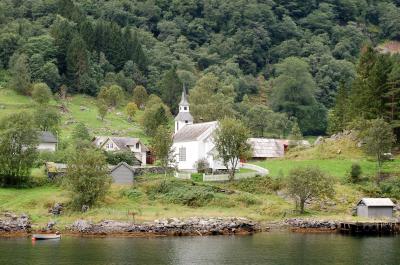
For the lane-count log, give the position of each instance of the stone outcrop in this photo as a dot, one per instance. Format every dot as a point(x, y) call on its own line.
point(11, 223)
point(310, 224)
point(170, 226)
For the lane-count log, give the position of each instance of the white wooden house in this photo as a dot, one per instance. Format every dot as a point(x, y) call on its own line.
point(47, 142)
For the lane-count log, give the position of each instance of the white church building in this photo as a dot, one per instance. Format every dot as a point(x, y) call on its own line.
point(193, 141)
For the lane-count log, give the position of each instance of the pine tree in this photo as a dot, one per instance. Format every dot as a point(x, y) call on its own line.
point(20, 75)
point(77, 62)
point(171, 89)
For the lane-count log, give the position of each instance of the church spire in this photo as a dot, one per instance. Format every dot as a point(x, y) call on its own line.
point(184, 101)
point(184, 117)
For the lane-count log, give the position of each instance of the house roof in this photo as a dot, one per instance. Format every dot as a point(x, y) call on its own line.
point(376, 202)
point(47, 137)
point(265, 148)
point(122, 143)
point(184, 116)
point(122, 164)
point(192, 132)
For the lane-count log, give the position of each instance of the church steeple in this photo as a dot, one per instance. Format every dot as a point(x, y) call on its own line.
point(184, 117)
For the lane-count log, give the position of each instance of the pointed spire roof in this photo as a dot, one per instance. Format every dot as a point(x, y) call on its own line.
point(184, 101)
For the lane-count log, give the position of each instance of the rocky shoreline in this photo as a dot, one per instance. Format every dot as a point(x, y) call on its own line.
point(11, 224)
point(311, 225)
point(16, 225)
point(169, 227)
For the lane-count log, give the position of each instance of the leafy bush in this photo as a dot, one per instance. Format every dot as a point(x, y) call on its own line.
point(247, 199)
point(181, 192)
point(355, 173)
point(114, 158)
point(132, 193)
point(202, 166)
point(198, 177)
point(390, 187)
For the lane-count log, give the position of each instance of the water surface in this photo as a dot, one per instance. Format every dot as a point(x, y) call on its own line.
point(264, 248)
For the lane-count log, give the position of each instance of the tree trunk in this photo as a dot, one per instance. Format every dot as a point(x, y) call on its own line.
point(302, 202)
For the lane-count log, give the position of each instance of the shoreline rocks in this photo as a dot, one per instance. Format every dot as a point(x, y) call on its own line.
point(11, 223)
point(311, 224)
point(170, 226)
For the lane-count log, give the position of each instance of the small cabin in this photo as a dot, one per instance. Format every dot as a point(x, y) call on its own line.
point(122, 173)
point(375, 208)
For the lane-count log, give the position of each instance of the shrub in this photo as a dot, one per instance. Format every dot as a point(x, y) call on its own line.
point(202, 165)
point(41, 93)
point(248, 199)
point(87, 177)
point(355, 173)
point(181, 192)
point(132, 193)
point(257, 184)
point(114, 158)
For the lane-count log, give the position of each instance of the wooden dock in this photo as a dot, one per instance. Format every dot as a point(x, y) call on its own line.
point(370, 228)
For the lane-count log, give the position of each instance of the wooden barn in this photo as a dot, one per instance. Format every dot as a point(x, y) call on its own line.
point(375, 208)
point(263, 148)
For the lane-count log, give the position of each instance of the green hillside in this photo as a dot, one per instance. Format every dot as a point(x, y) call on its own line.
point(79, 108)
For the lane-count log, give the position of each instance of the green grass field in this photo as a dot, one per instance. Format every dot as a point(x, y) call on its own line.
point(335, 167)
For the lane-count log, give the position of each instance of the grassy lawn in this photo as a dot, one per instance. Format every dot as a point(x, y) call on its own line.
point(335, 167)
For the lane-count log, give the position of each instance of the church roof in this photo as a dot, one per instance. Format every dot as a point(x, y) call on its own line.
point(184, 116)
point(184, 101)
point(192, 132)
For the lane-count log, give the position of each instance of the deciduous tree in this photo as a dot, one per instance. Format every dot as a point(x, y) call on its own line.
point(231, 143)
point(309, 183)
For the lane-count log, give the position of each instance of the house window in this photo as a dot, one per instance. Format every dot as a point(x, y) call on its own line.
point(182, 154)
point(110, 146)
point(137, 145)
point(186, 121)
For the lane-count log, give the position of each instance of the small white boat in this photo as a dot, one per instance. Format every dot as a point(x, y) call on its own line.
point(45, 236)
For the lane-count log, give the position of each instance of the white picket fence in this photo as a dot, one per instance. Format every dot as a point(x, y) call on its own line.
point(258, 171)
point(183, 175)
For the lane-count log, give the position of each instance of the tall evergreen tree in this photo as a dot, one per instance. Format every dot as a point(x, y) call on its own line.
point(77, 62)
point(20, 74)
point(171, 89)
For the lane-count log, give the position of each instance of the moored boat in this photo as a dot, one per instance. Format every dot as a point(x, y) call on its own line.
point(45, 236)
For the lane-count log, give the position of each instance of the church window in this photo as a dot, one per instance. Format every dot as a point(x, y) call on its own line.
point(137, 145)
point(186, 121)
point(185, 108)
point(182, 154)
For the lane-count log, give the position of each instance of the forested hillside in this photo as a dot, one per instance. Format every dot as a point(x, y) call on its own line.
point(271, 62)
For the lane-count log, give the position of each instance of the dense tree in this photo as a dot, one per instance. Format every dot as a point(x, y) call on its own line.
point(231, 144)
point(309, 183)
point(41, 93)
point(294, 94)
point(88, 177)
point(102, 108)
point(112, 95)
point(77, 63)
point(378, 139)
point(211, 100)
point(161, 145)
point(47, 119)
point(81, 133)
point(131, 110)
point(20, 74)
point(18, 143)
point(171, 89)
point(140, 96)
point(155, 115)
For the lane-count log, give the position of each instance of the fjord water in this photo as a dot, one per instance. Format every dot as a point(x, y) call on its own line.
point(265, 248)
